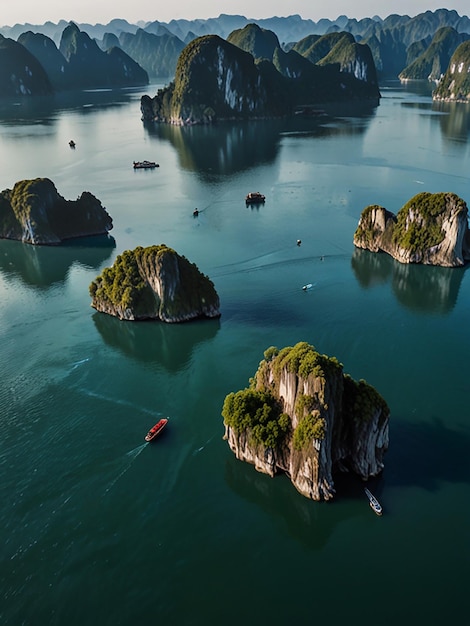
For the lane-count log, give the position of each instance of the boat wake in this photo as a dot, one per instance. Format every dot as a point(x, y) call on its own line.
point(132, 455)
point(113, 400)
point(200, 449)
point(78, 363)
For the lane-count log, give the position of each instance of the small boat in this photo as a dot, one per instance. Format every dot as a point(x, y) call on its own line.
point(157, 429)
point(307, 286)
point(72, 143)
point(255, 197)
point(145, 165)
point(373, 502)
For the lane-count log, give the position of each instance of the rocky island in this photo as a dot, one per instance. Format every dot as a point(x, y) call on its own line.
point(303, 416)
point(249, 76)
point(154, 283)
point(34, 212)
point(431, 228)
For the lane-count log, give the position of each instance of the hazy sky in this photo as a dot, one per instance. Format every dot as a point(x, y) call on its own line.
point(102, 11)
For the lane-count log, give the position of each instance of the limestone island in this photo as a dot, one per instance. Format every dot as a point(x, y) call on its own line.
point(303, 416)
point(154, 283)
point(34, 212)
point(431, 228)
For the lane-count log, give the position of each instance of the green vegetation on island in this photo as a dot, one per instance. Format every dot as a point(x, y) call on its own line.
point(154, 283)
point(259, 413)
point(425, 231)
point(455, 84)
point(258, 410)
point(251, 76)
point(34, 212)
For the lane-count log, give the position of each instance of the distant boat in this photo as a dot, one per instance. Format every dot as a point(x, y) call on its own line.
point(373, 502)
point(157, 429)
point(307, 286)
point(145, 165)
point(72, 143)
point(255, 197)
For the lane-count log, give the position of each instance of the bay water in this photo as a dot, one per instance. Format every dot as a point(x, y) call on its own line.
point(99, 527)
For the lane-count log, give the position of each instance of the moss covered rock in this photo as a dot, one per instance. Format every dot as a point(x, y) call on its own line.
point(154, 283)
point(302, 415)
point(431, 228)
point(34, 212)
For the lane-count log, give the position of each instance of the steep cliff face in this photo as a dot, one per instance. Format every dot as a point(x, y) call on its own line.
point(431, 229)
point(213, 78)
point(303, 416)
point(21, 74)
point(154, 283)
point(455, 84)
point(47, 53)
point(34, 212)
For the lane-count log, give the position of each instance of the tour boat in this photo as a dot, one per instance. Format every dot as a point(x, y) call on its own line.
point(157, 429)
point(373, 502)
point(255, 197)
point(145, 165)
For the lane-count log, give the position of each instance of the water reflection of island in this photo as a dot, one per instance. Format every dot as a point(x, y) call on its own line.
point(454, 121)
point(42, 266)
point(156, 343)
point(230, 147)
point(45, 109)
point(310, 523)
point(421, 288)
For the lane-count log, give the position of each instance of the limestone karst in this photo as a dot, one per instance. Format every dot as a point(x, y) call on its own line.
point(154, 283)
point(431, 228)
point(302, 415)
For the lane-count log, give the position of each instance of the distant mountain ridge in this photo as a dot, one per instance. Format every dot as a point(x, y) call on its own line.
point(288, 29)
point(416, 48)
point(34, 65)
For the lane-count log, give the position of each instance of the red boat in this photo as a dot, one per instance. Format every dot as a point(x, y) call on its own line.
point(156, 430)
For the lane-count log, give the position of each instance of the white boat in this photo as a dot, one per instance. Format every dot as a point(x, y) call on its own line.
point(307, 286)
point(373, 502)
point(145, 165)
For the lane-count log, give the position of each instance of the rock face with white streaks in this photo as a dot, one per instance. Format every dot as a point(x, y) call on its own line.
point(454, 86)
point(154, 283)
point(217, 79)
point(431, 229)
point(303, 416)
point(34, 212)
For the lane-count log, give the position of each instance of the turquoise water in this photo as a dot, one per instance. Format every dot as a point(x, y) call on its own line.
point(101, 528)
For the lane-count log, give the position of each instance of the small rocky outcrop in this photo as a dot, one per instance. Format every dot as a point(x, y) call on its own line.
point(34, 212)
point(430, 228)
point(154, 283)
point(303, 416)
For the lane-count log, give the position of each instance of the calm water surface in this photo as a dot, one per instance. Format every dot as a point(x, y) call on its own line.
point(100, 528)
